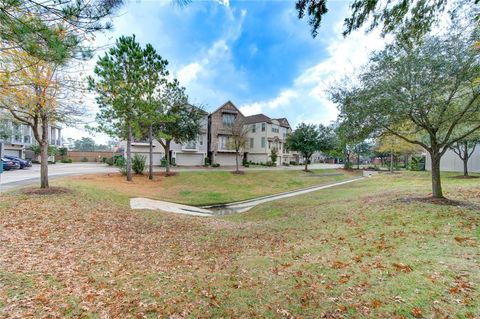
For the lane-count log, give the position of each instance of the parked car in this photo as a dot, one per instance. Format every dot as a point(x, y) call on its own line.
point(23, 162)
point(9, 164)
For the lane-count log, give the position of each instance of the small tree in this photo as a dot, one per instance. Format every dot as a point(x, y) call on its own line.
point(432, 88)
point(154, 82)
point(119, 87)
point(465, 148)
point(179, 121)
point(305, 139)
point(237, 140)
point(39, 95)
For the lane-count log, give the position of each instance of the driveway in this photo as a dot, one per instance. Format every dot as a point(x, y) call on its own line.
point(31, 175)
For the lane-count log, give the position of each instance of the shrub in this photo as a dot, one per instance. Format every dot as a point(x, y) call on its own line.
point(270, 163)
point(109, 161)
point(206, 161)
point(293, 163)
point(84, 159)
point(121, 164)
point(215, 165)
point(163, 162)
point(68, 160)
point(246, 165)
point(120, 159)
point(104, 159)
point(62, 151)
point(273, 156)
point(138, 164)
point(348, 165)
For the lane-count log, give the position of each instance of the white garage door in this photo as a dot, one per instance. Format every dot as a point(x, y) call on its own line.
point(185, 159)
point(227, 159)
point(12, 152)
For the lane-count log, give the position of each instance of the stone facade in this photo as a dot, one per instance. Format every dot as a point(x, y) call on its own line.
point(219, 129)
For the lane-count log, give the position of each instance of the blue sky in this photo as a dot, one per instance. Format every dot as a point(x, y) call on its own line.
point(257, 54)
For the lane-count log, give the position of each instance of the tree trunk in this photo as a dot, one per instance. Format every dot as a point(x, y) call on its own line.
point(465, 167)
point(465, 159)
point(236, 162)
point(150, 152)
point(129, 153)
point(44, 154)
point(436, 179)
point(306, 164)
point(167, 156)
point(44, 164)
point(391, 161)
point(358, 161)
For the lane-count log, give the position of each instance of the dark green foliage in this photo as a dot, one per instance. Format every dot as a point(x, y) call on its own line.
point(66, 161)
point(215, 165)
point(426, 94)
point(84, 159)
point(408, 18)
point(52, 150)
point(53, 30)
point(138, 163)
point(62, 151)
point(109, 161)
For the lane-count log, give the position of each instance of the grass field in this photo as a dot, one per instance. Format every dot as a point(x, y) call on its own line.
point(370, 249)
point(208, 187)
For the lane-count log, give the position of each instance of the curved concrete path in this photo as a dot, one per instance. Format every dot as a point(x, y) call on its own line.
point(215, 210)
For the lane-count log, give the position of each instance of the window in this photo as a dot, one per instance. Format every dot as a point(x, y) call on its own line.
point(251, 142)
point(224, 142)
point(228, 119)
point(275, 128)
point(200, 140)
point(263, 127)
point(254, 128)
point(269, 145)
point(263, 142)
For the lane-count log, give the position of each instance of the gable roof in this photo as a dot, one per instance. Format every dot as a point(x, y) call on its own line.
point(283, 122)
point(228, 103)
point(257, 118)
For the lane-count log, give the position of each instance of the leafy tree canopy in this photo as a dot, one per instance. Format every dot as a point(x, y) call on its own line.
point(407, 16)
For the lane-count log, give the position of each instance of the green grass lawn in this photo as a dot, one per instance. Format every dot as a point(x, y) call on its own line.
point(207, 187)
point(369, 249)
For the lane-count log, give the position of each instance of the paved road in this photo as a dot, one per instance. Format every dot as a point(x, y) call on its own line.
point(31, 175)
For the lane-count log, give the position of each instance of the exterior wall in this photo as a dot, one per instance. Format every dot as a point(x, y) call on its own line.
point(78, 156)
point(450, 162)
point(272, 140)
point(258, 158)
point(194, 152)
point(143, 150)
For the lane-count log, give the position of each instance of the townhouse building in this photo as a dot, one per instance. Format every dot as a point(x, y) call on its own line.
point(220, 123)
point(20, 138)
point(267, 135)
point(191, 153)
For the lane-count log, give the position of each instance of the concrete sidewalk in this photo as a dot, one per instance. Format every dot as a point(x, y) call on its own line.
point(216, 210)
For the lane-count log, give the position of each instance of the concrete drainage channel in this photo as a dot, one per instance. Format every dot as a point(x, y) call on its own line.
point(226, 209)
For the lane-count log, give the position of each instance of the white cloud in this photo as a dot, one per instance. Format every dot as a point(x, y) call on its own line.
point(282, 99)
point(307, 97)
point(189, 73)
